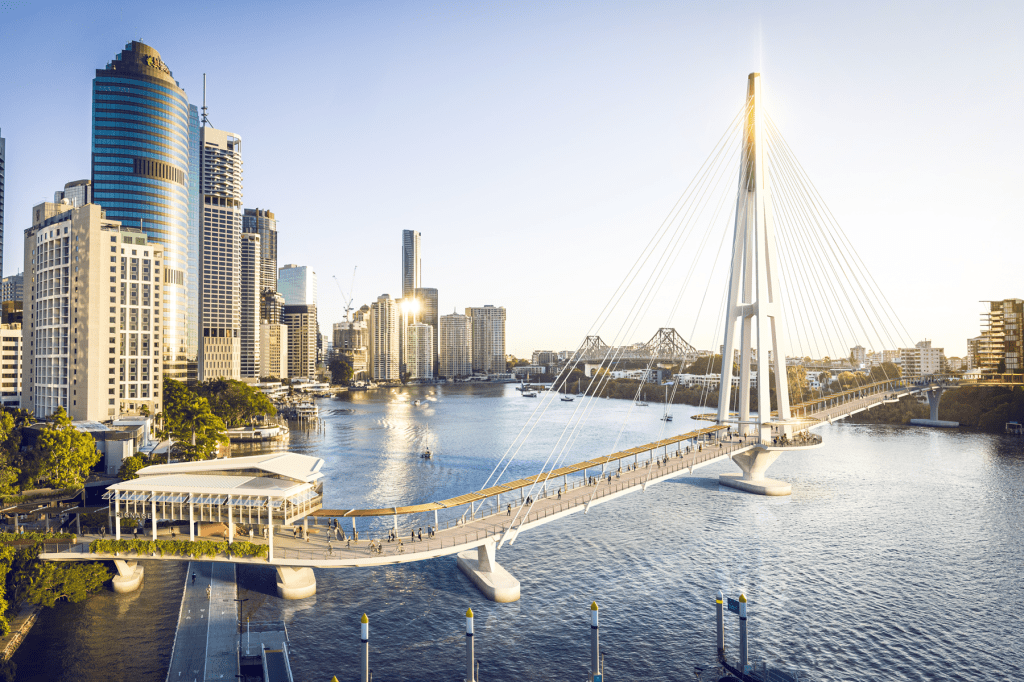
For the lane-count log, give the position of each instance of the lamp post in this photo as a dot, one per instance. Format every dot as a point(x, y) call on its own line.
point(246, 624)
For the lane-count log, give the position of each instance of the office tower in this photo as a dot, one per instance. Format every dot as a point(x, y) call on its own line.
point(301, 322)
point(12, 288)
point(13, 312)
point(351, 339)
point(273, 334)
point(297, 283)
point(91, 337)
point(299, 287)
point(262, 222)
point(142, 175)
point(3, 163)
point(427, 314)
point(77, 193)
point(249, 312)
point(220, 255)
point(456, 346)
point(384, 342)
point(10, 365)
point(410, 263)
point(488, 339)
point(419, 351)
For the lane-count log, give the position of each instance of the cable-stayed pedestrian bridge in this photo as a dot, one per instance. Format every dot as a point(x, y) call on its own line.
point(474, 525)
point(792, 286)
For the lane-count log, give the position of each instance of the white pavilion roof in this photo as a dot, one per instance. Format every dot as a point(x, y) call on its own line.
point(288, 464)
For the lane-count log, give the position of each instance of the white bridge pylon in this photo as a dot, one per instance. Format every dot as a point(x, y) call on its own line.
point(754, 303)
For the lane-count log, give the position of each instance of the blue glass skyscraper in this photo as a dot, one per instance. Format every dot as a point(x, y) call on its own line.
point(144, 173)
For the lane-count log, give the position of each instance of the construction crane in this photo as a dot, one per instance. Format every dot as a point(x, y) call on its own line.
point(348, 301)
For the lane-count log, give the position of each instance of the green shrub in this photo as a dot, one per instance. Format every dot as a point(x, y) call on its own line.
point(197, 548)
point(12, 537)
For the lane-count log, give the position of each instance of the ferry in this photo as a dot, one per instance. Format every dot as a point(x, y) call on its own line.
point(1015, 428)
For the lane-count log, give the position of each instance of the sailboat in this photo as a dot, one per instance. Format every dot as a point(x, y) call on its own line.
point(566, 398)
point(667, 416)
point(642, 402)
point(578, 394)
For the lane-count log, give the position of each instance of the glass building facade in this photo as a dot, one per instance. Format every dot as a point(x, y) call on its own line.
point(143, 176)
point(192, 273)
point(262, 222)
point(3, 152)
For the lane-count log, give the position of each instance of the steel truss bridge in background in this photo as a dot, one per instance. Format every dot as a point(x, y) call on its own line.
point(665, 346)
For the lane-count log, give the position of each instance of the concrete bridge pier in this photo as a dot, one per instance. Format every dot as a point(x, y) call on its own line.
point(754, 463)
point(495, 582)
point(934, 394)
point(295, 582)
point(129, 576)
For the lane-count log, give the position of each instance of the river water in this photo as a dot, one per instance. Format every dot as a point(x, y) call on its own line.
point(898, 556)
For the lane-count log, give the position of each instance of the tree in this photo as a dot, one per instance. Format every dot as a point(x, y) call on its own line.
point(10, 441)
point(52, 581)
point(796, 380)
point(130, 467)
point(341, 369)
point(198, 431)
point(235, 402)
point(68, 454)
point(189, 421)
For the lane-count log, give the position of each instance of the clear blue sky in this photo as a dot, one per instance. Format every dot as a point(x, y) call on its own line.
point(537, 145)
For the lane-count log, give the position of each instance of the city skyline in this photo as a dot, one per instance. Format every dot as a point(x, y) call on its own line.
point(589, 165)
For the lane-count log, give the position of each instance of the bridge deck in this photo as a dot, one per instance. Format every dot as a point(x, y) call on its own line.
point(490, 520)
point(476, 530)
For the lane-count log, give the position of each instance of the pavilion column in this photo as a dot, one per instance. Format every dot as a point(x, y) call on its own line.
point(231, 524)
point(117, 517)
point(191, 520)
point(270, 529)
point(153, 519)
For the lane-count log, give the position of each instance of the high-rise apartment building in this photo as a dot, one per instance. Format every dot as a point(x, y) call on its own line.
point(410, 263)
point(858, 356)
point(273, 350)
point(10, 365)
point(12, 288)
point(922, 360)
point(250, 271)
point(488, 339)
point(220, 255)
point(352, 339)
point(302, 339)
point(91, 331)
point(419, 351)
point(427, 302)
point(384, 341)
point(1000, 348)
point(456, 346)
point(143, 176)
point(262, 222)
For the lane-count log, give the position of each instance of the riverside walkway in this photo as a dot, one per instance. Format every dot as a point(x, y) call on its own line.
point(206, 640)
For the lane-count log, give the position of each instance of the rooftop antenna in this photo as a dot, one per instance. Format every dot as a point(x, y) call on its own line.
point(205, 119)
